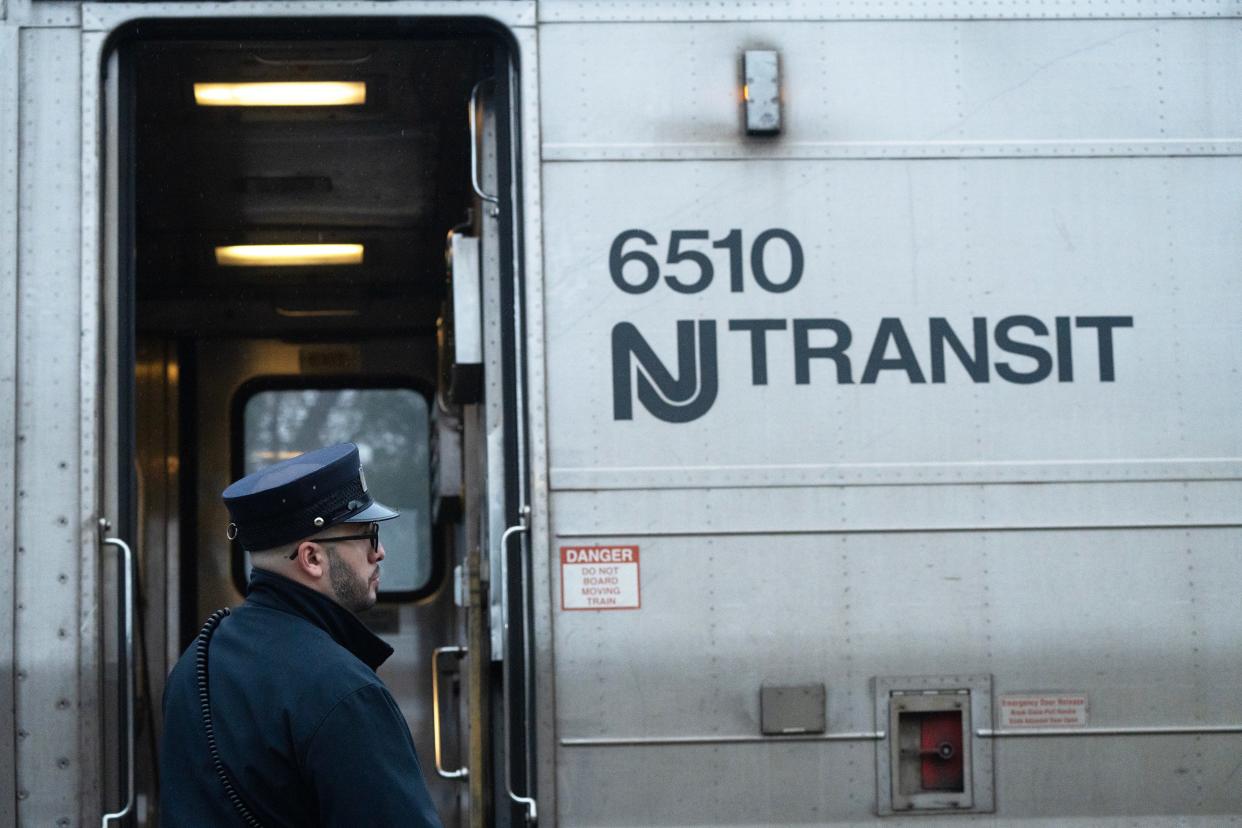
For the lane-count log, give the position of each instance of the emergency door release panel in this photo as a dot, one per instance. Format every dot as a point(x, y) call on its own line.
point(929, 741)
point(931, 759)
point(934, 740)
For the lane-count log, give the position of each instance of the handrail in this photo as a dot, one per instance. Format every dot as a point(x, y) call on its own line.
point(1142, 730)
point(460, 652)
point(716, 739)
point(474, 147)
point(531, 808)
point(127, 582)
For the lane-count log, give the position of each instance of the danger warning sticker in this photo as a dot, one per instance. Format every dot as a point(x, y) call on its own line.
point(599, 578)
point(1044, 710)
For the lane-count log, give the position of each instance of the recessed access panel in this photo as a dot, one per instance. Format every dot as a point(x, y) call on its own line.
point(931, 759)
point(929, 747)
point(785, 710)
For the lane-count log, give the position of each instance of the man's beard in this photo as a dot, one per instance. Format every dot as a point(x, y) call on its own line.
point(351, 592)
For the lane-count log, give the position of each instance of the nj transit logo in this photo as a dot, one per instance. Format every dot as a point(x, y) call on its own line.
point(638, 372)
point(678, 399)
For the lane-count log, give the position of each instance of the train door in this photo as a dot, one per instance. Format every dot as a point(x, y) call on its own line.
point(313, 242)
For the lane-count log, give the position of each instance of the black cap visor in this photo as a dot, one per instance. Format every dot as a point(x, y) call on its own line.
point(375, 512)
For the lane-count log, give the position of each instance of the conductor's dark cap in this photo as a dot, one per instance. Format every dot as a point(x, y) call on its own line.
point(300, 497)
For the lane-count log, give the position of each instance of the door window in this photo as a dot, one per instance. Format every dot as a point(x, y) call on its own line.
point(390, 427)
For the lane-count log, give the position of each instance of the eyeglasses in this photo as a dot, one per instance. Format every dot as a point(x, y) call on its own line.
point(372, 535)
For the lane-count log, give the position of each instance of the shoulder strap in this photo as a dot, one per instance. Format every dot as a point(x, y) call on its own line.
point(200, 673)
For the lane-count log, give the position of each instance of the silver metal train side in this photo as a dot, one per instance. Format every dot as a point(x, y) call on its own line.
point(850, 433)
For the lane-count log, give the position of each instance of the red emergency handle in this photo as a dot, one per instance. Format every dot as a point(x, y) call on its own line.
point(940, 751)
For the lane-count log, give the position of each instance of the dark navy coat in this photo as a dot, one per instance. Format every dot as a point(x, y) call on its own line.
point(308, 732)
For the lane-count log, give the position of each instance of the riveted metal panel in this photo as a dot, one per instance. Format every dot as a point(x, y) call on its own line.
point(40, 13)
point(107, 16)
point(90, 424)
point(972, 239)
point(874, 474)
point(884, 151)
point(793, 510)
point(9, 115)
point(577, 11)
point(859, 90)
point(796, 528)
point(49, 534)
point(491, 249)
point(527, 144)
point(1039, 611)
point(1039, 608)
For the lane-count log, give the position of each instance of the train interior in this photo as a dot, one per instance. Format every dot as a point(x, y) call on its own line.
point(281, 275)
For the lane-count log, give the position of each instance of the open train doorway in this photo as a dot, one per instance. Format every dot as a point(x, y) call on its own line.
point(286, 195)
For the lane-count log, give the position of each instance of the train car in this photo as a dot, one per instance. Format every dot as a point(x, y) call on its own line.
point(801, 412)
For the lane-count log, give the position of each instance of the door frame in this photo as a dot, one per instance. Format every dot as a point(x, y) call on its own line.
point(106, 420)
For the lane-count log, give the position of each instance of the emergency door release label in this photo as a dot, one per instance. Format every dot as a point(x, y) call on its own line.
point(1044, 710)
point(599, 578)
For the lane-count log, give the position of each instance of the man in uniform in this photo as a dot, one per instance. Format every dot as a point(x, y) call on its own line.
point(274, 715)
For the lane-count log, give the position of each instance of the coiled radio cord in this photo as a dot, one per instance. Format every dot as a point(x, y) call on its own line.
point(203, 641)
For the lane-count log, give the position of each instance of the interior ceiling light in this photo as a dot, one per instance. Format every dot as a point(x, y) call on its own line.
point(288, 255)
point(316, 93)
